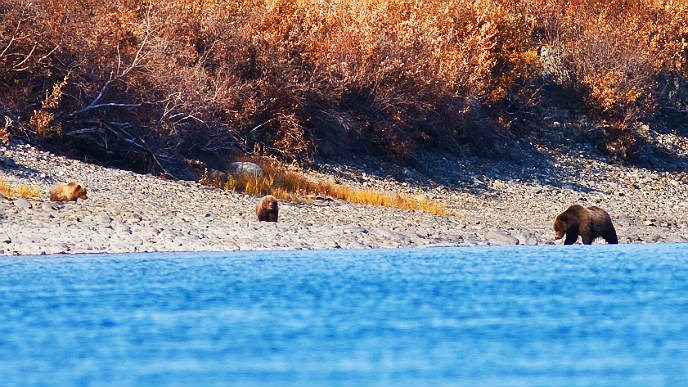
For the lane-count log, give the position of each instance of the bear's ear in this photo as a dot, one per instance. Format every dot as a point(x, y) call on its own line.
point(562, 217)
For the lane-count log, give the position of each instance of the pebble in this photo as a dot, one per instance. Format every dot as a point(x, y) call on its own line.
point(23, 204)
point(103, 219)
point(490, 203)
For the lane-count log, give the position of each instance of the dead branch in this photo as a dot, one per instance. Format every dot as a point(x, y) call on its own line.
point(12, 39)
point(17, 67)
point(138, 142)
point(48, 54)
point(104, 105)
point(119, 74)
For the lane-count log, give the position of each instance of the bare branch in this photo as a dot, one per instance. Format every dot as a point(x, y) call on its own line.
point(119, 74)
point(146, 35)
point(185, 117)
point(141, 144)
point(48, 54)
point(103, 106)
point(260, 125)
point(26, 58)
point(16, 31)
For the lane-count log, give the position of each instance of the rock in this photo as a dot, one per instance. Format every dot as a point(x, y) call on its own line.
point(103, 219)
point(22, 204)
point(355, 230)
point(7, 162)
point(245, 168)
point(493, 202)
point(527, 238)
point(390, 235)
point(4, 238)
point(499, 238)
point(675, 239)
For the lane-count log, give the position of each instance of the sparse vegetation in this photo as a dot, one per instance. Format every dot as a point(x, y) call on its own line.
point(294, 186)
point(148, 83)
point(20, 191)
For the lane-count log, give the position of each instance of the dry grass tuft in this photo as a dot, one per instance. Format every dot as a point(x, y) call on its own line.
point(295, 187)
point(21, 191)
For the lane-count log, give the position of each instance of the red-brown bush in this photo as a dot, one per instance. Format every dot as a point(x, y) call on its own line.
point(151, 82)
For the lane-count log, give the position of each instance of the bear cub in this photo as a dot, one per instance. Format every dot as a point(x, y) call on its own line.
point(267, 209)
point(67, 192)
point(589, 223)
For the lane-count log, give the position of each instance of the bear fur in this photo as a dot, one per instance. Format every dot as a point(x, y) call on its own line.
point(267, 209)
point(589, 223)
point(71, 191)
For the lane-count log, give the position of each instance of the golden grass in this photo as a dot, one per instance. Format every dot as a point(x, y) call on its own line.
point(296, 187)
point(21, 191)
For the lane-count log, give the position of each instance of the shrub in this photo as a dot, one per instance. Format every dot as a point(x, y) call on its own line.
point(149, 82)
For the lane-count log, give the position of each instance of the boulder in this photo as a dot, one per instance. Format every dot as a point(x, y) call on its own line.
point(245, 168)
point(23, 204)
point(527, 238)
point(499, 238)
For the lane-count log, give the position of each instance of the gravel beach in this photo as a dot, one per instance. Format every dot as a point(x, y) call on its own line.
point(490, 203)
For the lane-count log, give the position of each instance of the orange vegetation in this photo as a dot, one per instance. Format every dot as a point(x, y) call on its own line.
point(20, 191)
point(294, 186)
point(144, 80)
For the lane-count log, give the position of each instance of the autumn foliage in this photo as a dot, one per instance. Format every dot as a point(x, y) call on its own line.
point(148, 84)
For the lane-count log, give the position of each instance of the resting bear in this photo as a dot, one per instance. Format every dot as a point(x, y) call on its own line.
point(67, 192)
point(267, 209)
point(589, 223)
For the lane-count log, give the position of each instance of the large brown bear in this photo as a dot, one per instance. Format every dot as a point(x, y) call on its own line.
point(67, 192)
point(267, 209)
point(589, 223)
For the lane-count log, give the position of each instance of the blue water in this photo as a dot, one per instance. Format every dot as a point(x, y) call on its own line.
point(515, 316)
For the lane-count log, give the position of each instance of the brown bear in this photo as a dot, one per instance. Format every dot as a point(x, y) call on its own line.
point(71, 191)
point(267, 209)
point(589, 223)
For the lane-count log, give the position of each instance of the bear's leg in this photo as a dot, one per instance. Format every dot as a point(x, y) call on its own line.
point(610, 237)
point(571, 237)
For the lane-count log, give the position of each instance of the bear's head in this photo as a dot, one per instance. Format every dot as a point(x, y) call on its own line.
point(78, 191)
point(561, 224)
point(270, 203)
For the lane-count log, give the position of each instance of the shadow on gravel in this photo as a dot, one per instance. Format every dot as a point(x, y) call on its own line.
point(471, 174)
point(555, 158)
point(8, 166)
point(658, 157)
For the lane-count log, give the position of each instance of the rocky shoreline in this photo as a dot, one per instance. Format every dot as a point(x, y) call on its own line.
point(491, 203)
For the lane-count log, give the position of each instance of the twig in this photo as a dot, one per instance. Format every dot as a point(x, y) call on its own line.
point(16, 30)
point(260, 125)
point(48, 54)
point(141, 145)
point(120, 74)
point(16, 67)
point(102, 106)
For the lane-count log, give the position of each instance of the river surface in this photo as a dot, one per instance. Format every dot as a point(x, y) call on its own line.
point(595, 315)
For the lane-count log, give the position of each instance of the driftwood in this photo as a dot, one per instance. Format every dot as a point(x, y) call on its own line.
point(111, 136)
